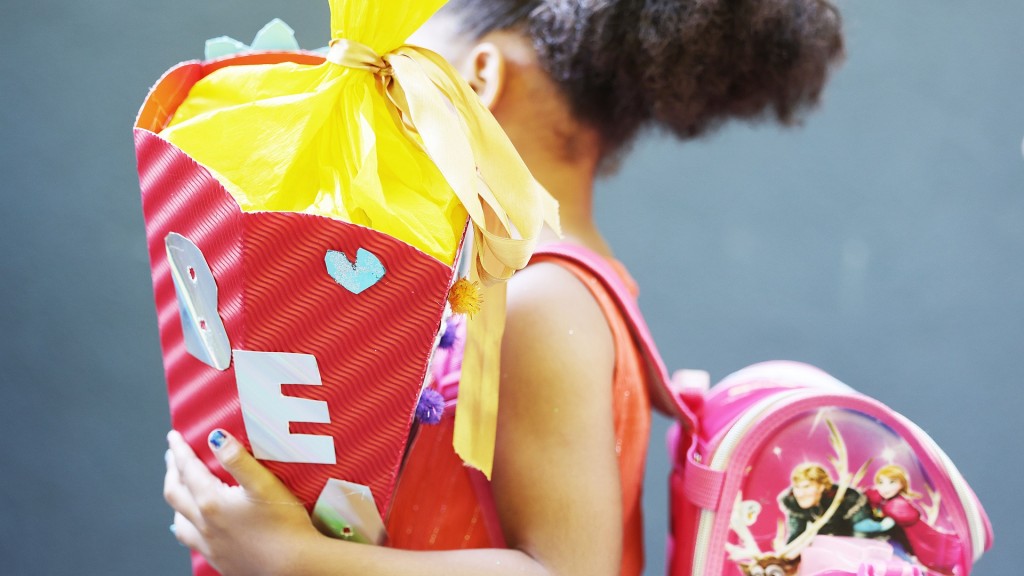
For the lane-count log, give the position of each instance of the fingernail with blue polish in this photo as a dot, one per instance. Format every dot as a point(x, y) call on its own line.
point(174, 530)
point(218, 438)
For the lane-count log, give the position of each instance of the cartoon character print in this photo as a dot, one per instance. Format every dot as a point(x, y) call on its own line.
point(811, 493)
point(830, 519)
point(816, 504)
point(897, 518)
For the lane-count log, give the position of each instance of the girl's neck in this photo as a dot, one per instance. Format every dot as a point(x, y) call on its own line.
point(572, 185)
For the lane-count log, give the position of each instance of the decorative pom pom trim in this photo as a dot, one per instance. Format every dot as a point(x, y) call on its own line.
point(430, 408)
point(465, 297)
point(447, 341)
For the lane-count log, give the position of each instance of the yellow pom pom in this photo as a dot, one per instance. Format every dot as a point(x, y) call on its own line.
point(465, 297)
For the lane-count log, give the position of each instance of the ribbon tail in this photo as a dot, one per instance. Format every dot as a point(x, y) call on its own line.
point(507, 206)
point(476, 420)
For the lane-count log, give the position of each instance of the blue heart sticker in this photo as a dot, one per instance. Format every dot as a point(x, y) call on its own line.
point(357, 277)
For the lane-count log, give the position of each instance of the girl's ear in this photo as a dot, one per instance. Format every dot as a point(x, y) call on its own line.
point(486, 68)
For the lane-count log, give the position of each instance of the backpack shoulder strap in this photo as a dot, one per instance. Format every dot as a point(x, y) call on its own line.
point(670, 394)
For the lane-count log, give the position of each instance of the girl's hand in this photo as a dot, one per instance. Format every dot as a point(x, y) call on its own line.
point(249, 529)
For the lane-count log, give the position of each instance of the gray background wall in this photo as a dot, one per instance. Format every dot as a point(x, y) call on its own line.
point(882, 242)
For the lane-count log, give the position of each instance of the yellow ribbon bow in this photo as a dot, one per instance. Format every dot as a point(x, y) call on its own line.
point(377, 136)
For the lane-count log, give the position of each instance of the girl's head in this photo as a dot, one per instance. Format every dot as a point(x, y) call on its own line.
point(891, 480)
point(620, 66)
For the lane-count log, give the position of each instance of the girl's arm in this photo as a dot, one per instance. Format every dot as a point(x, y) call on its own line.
point(555, 479)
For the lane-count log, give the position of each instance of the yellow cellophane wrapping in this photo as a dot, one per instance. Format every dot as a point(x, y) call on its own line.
point(323, 139)
point(390, 137)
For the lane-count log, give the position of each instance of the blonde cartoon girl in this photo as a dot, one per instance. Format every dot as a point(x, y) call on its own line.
point(891, 501)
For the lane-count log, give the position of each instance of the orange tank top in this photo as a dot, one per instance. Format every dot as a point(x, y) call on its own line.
point(440, 504)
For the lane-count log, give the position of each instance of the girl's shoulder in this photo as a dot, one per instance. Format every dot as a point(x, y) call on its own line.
point(550, 307)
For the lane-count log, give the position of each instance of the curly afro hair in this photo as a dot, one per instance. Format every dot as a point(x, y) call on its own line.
point(683, 65)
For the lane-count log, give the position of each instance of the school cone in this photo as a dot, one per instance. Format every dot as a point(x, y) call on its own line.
point(300, 297)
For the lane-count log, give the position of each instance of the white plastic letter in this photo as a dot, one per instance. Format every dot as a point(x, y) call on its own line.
point(267, 412)
point(196, 289)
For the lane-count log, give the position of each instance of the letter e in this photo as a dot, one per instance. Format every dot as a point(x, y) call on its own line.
point(267, 412)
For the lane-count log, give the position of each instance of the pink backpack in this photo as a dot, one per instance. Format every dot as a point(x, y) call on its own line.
point(782, 470)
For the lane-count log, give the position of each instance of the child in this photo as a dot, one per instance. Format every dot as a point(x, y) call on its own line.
point(572, 83)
